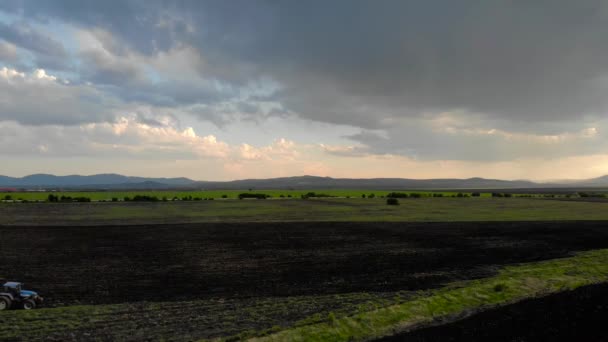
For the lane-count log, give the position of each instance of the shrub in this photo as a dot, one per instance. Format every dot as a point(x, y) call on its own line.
point(397, 195)
point(314, 194)
point(591, 194)
point(82, 199)
point(437, 194)
point(371, 196)
point(52, 198)
point(127, 199)
point(250, 195)
point(331, 318)
point(415, 195)
point(224, 196)
point(499, 287)
point(8, 198)
point(392, 201)
point(145, 198)
point(114, 199)
point(498, 194)
point(362, 195)
point(476, 194)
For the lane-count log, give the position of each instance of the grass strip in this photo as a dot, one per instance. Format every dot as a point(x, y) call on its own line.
point(511, 284)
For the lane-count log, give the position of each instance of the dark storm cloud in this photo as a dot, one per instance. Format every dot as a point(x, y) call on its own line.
point(358, 62)
point(369, 60)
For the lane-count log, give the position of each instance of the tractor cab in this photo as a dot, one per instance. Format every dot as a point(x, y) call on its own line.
point(12, 287)
point(12, 293)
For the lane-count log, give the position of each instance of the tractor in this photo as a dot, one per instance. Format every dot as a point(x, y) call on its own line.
point(12, 295)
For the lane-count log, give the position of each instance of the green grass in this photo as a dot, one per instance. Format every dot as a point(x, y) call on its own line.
point(340, 317)
point(512, 284)
point(335, 209)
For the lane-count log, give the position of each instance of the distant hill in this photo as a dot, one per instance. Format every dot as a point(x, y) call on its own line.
point(593, 182)
point(115, 181)
point(109, 180)
point(312, 182)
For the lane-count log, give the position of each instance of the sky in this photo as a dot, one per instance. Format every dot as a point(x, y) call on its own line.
point(220, 90)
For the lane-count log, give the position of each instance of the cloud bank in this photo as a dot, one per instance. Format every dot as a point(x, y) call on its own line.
point(434, 81)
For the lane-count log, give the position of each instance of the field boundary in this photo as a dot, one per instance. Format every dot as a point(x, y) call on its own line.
point(512, 284)
point(199, 223)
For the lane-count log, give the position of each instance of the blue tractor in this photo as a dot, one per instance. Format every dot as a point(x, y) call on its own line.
point(12, 295)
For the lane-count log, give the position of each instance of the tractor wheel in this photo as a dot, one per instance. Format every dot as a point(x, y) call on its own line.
point(29, 304)
point(5, 303)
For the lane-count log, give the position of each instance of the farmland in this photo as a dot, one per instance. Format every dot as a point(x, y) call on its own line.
point(322, 209)
point(289, 268)
point(210, 280)
point(215, 194)
point(279, 194)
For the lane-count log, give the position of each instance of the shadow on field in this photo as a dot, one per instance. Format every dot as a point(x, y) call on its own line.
point(112, 264)
point(578, 315)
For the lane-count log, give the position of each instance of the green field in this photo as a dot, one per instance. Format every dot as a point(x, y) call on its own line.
point(230, 194)
point(327, 209)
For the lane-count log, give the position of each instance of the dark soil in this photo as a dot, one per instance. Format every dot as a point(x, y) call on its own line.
point(115, 264)
point(579, 315)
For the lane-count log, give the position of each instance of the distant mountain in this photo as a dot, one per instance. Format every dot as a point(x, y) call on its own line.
point(115, 181)
point(593, 182)
point(94, 181)
point(312, 182)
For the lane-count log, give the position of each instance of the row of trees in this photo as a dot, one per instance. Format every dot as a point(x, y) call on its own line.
point(314, 195)
point(499, 194)
point(253, 195)
point(249, 195)
point(146, 198)
point(63, 198)
point(435, 194)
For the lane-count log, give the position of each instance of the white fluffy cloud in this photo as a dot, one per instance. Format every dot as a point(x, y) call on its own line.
point(129, 137)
